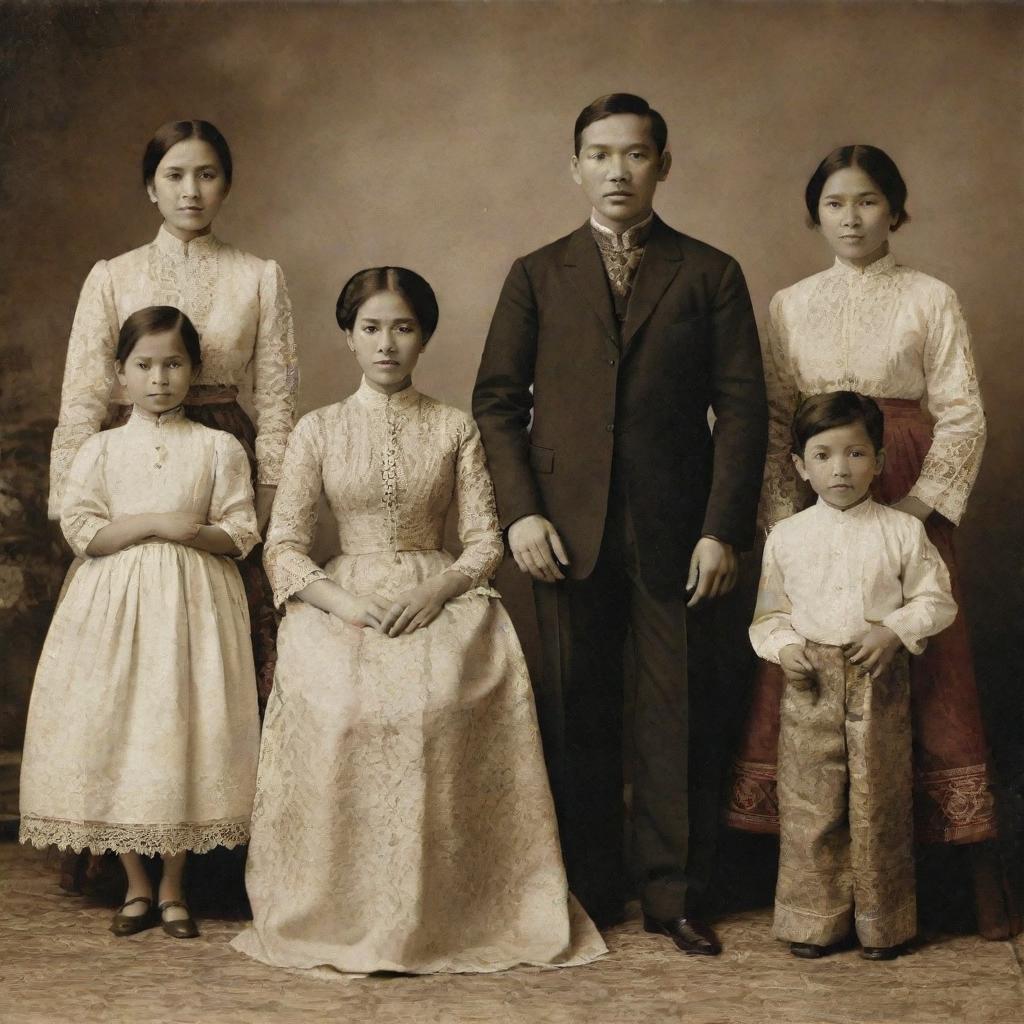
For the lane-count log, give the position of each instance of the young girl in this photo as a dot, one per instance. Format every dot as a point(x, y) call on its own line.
point(403, 819)
point(142, 733)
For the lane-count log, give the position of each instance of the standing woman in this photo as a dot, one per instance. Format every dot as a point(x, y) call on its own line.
point(241, 309)
point(870, 325)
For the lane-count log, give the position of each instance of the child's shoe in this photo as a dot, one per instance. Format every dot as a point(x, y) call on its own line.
point(179, 927)
point(881, 952)
point(807, 950)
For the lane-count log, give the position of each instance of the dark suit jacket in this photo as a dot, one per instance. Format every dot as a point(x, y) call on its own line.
point(638, 393)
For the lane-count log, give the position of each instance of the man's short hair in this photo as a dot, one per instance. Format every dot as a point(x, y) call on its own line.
point(819, 413)
point(621, 103)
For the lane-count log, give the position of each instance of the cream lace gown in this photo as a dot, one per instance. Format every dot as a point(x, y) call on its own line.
point(403, 819)
point(142, 728)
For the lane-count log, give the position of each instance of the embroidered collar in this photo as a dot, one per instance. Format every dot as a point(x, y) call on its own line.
point(886, 264)
point(861, 510)
point(631, 238)
point(141, 416)
point(375, 399)
point(173, 246)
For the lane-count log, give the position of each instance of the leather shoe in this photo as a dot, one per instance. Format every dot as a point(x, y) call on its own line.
point(182, 927)
point(128, 924)
point(807, 950)
point(881, 952)
point(693, 937)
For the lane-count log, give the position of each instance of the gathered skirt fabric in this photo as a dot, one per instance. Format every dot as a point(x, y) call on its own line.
point(403, 816)
point(232, 418)
point(953, 800)
point(142, 731)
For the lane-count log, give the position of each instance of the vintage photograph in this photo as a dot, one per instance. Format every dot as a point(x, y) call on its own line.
point(509, 511)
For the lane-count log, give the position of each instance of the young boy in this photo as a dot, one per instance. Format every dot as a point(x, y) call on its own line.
point(847, 587)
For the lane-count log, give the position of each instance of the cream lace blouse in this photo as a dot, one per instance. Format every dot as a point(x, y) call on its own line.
point(238, 303)
point(390, 466)
point(889, 332)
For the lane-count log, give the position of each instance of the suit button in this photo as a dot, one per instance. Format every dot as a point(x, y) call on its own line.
point(611, 362)
point(610, 427)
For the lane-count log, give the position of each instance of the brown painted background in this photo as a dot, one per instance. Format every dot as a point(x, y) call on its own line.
point(438, 136)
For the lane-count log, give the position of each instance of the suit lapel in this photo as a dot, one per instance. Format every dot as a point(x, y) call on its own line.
point(662, 260)
point(583, 258)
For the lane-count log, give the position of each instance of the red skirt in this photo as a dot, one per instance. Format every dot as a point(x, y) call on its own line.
point(953, 800)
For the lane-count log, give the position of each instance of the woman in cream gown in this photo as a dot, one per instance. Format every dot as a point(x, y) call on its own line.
point(403, 818)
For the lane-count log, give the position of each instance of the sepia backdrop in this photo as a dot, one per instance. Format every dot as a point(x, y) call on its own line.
point(438, 136)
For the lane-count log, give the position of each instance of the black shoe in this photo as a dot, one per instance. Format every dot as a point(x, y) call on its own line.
point(882, 952)
point(180, 928)
point(128, 924)
point(693, 937)
point(807, 950)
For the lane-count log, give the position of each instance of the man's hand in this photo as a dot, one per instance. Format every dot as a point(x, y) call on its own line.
point(537, 548)
point(797, 667)
point(875, 650)
point(713, 570)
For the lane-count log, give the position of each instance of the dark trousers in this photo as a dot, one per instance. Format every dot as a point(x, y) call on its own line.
point(588, 627)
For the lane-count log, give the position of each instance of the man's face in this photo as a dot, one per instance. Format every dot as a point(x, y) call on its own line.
point(618, 168)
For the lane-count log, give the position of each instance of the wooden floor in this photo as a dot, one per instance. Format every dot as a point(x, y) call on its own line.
point(58, 963)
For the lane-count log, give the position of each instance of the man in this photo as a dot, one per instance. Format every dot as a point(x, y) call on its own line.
point(621, 503)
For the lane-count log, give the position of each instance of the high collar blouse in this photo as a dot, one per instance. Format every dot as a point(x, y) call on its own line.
point(238, 303)
point(888, 332)
point(390, 467)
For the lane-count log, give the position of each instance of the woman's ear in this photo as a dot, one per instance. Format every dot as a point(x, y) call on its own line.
point(348, 341)
point(151, 192)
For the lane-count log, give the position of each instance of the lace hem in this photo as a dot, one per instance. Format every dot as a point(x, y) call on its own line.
point(99, 836)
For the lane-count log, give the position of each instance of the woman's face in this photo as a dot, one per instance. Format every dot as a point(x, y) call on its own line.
point(855, 217)
point(387, 341)
point(157, 372)
point(188, 188)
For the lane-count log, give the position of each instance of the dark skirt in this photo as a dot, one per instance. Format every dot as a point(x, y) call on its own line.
point(953, 800)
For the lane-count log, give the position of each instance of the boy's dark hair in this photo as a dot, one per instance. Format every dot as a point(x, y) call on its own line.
point(819, 413)
point(173, 132)
point(157, 320)
point(875, 163)
point(365, 284)
point(621, 103)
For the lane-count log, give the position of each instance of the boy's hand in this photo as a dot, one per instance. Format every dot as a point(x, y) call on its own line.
point(875, 650)
point(797, 667)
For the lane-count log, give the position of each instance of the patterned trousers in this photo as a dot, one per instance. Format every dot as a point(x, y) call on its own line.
point(845, 806)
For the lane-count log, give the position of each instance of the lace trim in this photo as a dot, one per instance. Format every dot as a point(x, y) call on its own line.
point(130, 838)
point(188, 282)
point(389, 476)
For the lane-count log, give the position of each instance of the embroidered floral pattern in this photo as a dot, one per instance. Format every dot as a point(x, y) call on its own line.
point(239, 305)
point(888, 332)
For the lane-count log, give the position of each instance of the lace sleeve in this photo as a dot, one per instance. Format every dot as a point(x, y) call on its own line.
point(231, 504)
point(779, 493)
point(275, 374)
point(293, 520)
point(482, 548)
point(88, 376)
point(954, 401)
point(86, 507)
